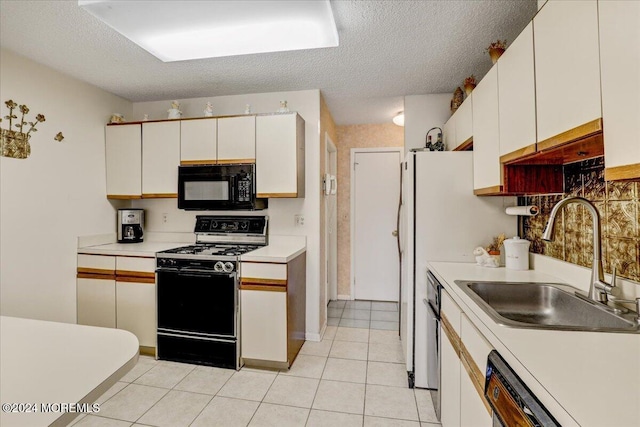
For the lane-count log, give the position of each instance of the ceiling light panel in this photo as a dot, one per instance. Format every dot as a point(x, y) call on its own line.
point(184, 30)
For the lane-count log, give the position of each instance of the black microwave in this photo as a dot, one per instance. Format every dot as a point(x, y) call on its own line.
point(218, 187)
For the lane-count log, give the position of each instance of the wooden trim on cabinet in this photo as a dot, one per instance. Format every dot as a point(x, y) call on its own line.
point(160, 195)
point(622, 172)
point(578, 132)
point(235, 161)
point(129, 279)
point(143, 274)
point(521, 152)
point(267, 288)
point(465, 146)
point(98, 271)
point(81, 275)
point(124, 196)
point(260, 281)
point(451, 333)
point(276, 195)
point(197, 162)
point(476, 376)
point(496, 190)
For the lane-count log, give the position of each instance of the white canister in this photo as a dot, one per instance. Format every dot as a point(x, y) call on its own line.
point(516, 253)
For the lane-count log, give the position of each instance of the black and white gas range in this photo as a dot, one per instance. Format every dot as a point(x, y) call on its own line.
point(197, 291)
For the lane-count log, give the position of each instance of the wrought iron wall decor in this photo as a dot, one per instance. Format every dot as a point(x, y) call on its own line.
point(15, 143)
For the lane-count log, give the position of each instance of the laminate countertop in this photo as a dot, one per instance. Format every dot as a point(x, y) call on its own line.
point(49, 364)
point(583, 378)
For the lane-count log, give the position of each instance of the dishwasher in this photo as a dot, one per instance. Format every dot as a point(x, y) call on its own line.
point(512, 402)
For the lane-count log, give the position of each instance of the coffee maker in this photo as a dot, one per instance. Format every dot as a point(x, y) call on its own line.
point(130, 225)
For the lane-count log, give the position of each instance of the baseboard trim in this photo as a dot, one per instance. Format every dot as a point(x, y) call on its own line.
point(313, 337)
point(345, 297)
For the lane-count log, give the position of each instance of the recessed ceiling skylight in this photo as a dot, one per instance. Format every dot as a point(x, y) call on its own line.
point(183, 30)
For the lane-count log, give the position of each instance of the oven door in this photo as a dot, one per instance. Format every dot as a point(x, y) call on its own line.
point(197, 302)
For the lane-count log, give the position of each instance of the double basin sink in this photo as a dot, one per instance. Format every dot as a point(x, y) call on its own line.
point(547, 306)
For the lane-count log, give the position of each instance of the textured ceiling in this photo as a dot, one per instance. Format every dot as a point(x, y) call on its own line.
point(388, 49)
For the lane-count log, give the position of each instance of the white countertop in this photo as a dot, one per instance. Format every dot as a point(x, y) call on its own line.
point(583, 378)
point(143, 249)
point(280, 249)
point(48, 363)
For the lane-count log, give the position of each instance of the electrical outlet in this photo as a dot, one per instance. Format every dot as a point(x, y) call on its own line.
point(165, 218)
point(299, 220)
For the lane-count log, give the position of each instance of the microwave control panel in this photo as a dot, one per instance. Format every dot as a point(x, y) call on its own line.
point(244, 190)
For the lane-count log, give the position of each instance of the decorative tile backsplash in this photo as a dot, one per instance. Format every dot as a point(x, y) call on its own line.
point(618, 203)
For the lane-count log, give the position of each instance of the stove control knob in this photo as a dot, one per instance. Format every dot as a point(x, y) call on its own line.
point(228, 267)
point(219, 267)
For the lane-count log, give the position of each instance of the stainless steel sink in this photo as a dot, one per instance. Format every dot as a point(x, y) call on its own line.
point(546, 306)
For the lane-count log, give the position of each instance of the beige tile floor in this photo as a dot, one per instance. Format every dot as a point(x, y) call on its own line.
point(354, 377)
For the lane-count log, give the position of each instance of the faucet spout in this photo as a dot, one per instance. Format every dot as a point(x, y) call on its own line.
point(598, 289)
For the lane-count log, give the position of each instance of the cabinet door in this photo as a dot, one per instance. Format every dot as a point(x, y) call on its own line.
point(517, 97)
point(472, 411)
point(464, 121)
point(264, 325)
point(486, 135)
point(237, 139)
point(449, 131)
point(449, 384)
point(620, 66)
point(123, 153)
point(136, 310)
point(280, 155)
point(96, 303)
point(160, 159)
point(198, 141)
point(567, 67)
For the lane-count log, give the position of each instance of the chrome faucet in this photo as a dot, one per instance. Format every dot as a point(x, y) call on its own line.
point(598, 289)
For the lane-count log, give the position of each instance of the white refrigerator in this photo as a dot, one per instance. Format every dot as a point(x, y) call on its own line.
point(440, 220)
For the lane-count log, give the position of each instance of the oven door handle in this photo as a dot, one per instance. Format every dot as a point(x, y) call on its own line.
point(205, 274)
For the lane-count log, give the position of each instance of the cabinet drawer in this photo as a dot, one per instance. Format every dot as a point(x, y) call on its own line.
point(275, 273)
point(96, 264)
point(134, 266)
point(451, 311)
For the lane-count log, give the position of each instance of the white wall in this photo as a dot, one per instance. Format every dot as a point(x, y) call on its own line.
point(421, 113)
point(55, 195)
point(281, 211)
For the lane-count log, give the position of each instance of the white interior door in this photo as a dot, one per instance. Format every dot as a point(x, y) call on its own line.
point(376, 191)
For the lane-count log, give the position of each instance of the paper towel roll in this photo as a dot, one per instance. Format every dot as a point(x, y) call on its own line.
point(523, 210)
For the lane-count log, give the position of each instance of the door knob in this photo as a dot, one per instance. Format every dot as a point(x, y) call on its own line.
point(394, 233)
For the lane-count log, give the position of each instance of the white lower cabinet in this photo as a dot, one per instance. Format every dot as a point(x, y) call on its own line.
point(449, 384)
point(463, 360)
point(264, 325)
point(96, 302)
point(118, 292)
point(450, 369)
point(136, 310)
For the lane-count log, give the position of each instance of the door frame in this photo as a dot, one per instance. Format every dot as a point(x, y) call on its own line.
point(352, 196)
point(331, 279)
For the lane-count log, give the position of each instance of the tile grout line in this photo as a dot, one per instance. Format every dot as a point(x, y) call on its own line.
point(320, 379)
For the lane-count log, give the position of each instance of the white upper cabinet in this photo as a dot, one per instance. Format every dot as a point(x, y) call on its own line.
point(517, 95)
point(160, 159)
point(449, 131)
point(280, 155)
point(237, 139)
point(123, 161)
point(620, 66)
point(486, 136)
point(567, 67)
point(198, 141)
point(464, 121)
